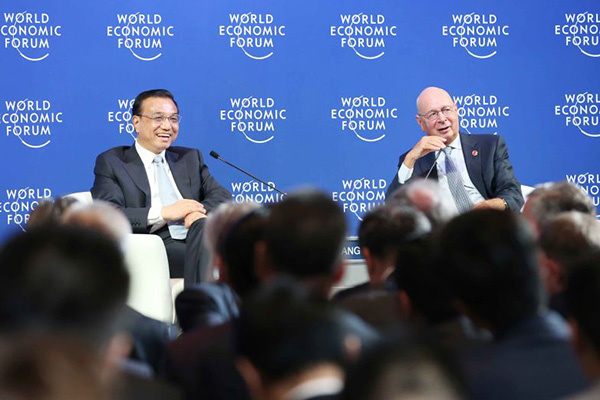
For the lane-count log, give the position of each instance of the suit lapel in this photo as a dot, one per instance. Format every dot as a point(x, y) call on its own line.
point(135, 168)
point(180, 174)
point(472, 156)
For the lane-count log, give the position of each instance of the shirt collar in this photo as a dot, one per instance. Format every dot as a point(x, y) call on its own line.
point(146, 155)
point(456, 143)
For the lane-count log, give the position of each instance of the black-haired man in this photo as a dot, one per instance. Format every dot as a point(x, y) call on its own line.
point(162, 189)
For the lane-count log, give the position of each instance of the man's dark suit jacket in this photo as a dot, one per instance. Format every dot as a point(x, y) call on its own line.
point(486, 158)
point(531, 360)
point(121, 179)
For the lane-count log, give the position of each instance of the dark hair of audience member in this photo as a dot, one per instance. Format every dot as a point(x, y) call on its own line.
point(49, 212)
point(282, 332)
point(238, 249)
point(488, 258)
point(63, 279)
point(136, 109)
point(430, 297)
point(405, 366)
point(305, 234)
point(569, 235)
point(583, 296)
point(549, 200)
point(382, 228)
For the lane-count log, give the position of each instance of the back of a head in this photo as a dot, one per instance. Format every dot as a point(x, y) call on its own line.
point(220, 221)
point(305, 233)
point(427, 197)
point(568, 236)
point(405, 367)
point(430, 297)
point(384, 227)
point(49, 212)
point(488, 259)
point(100, 216)
point(583, 296)
point(549, 200)
point(62, 279)
point(239, 251)
point(283, 333)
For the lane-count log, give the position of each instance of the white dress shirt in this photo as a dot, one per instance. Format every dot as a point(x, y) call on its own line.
point(456, 153)
point(154, 218)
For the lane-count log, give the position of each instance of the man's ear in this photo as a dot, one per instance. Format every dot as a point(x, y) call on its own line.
point(405, 304)
point(368, 259)
point(263, 267)
point(250, 376)
point(135, 120)
point(338, 273)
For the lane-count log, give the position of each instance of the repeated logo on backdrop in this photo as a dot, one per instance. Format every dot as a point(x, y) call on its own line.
point(480, 113)
point(31, 121)
point(256, 118)
point(581, 111)
point(30, 34)
point(365, 34)
point(143, 35)
point(17, 203)
point(590, 182)
point(366, 117)
point(478, 34)
point(254, 34)
point(581, 31)
point(252, 191)
point(357, 196)
point(121, 117)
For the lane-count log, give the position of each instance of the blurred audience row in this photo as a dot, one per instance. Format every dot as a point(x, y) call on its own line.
point(484, 305)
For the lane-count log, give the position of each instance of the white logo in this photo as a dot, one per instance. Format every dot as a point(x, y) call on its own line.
point(365, 34)
point(19, 203)
point(582, 31)
point(253, 117)
point(29, 34)
point(141, 34)
point(364, 116)
point(257, 192)
point(476, 33)
point(30, 121)
point(360, 195)
point(589, 182)
point(253, 33)
point(581, 110)
point(480, 113)
point(122, 117)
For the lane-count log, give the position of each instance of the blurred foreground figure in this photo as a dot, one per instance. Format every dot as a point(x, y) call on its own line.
point(488, 259)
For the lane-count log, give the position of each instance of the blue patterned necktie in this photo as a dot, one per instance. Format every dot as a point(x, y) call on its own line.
point(457, 187)
point(168, 196)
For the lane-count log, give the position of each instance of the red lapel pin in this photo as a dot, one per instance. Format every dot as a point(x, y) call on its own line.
point(475, 152)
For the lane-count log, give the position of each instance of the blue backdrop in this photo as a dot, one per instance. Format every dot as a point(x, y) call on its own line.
point(311, 92)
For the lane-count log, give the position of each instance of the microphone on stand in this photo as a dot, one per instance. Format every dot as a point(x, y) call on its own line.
point(214, 154)
point(433, 165)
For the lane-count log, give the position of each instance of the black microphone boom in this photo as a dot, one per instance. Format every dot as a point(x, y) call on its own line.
point(214, 154)
point(430, 169)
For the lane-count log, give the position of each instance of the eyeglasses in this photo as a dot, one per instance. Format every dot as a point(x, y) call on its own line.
point(174, 119)
point(434, 115)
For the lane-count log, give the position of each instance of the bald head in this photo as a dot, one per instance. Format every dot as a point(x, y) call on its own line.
point(443, 124)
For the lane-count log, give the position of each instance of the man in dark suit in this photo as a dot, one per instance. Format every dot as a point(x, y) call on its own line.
point(473, 169)
point(488, 258)
point(162, 189)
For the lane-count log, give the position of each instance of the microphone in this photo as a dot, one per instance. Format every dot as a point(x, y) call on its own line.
point(433, 165)
point(216, 155)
